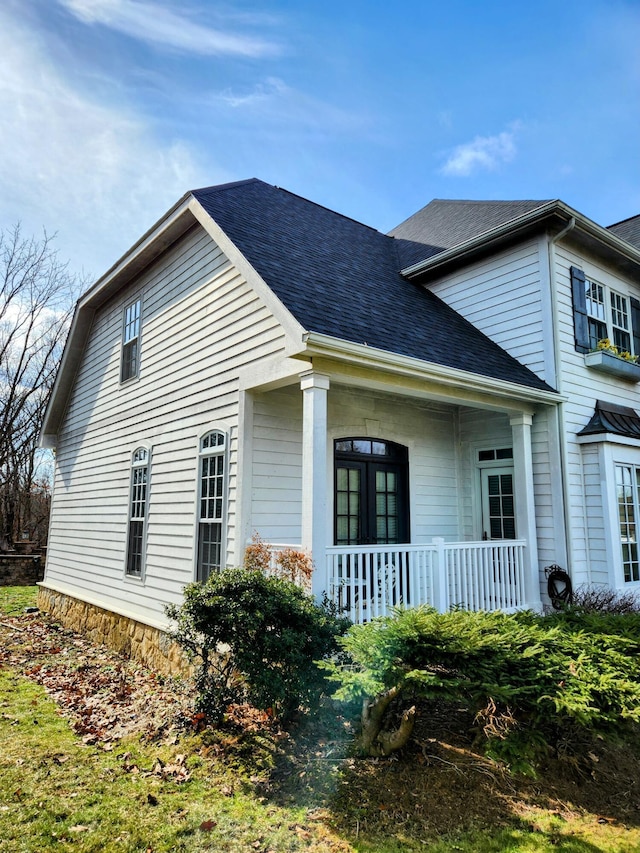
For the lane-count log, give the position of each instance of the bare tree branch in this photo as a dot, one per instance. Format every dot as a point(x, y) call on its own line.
point(37, 293)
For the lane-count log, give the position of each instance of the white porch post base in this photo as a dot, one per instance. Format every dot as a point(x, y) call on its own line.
point(314, 475)
point(525, 506)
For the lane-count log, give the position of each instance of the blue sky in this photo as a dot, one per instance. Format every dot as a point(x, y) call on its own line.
point(111, 109)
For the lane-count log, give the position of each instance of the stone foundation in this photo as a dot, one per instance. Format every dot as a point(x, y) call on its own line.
point(20, 570)
point(129, 638)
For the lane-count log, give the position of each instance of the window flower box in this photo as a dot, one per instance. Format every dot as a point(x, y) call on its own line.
point(613, 365)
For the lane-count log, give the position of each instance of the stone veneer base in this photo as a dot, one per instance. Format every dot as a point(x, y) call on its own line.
point(132, 639)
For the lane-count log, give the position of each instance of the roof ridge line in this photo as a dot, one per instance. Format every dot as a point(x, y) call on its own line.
point(229, 185)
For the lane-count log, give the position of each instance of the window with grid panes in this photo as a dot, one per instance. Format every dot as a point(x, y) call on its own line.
point(608, 316)
point(628, 495)
point(130, 360)
point(211, 503)
point(137, 512)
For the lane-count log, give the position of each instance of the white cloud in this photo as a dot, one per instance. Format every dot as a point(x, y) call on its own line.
point(279, 107)
point(151, 22)
point(93, 173)
point(484, 152)
point(261, 93)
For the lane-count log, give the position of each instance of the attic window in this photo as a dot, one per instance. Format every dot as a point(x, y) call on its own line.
point(130, 360)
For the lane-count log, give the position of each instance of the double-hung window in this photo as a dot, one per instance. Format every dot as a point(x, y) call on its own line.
point(130, 357)
point(608, 316)
point(138, 501)
point(596, 312)
point(602, 313)
point(212, 458)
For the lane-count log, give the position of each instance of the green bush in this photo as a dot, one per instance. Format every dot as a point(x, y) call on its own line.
point(532, 681)
point(254, 639)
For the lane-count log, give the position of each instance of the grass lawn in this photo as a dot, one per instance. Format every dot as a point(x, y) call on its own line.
point(13, 599)
point(251, 788)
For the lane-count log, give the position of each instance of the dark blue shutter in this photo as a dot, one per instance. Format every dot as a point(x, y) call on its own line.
point(635, 325)
point(580, 319)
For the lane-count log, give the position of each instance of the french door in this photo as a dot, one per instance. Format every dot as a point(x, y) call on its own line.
point(371, 492)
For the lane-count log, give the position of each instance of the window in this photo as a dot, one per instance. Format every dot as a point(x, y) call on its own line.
point(595, 313)
point(137, 512)
point(498, 505)
point(620, 322)
point(211, 503)
point(130, 360)
point(493, 455)
point(600, 312)
point(628, 495)
point(607, 316)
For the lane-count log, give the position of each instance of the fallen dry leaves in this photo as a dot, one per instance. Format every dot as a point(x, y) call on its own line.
point(105, 696)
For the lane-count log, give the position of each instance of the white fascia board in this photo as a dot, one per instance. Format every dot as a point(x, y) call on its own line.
point(414, 368)
point(165, 232)
point(583, 223)
point(148, 247)
point(292, 328)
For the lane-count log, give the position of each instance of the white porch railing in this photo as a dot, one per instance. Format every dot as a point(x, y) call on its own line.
point(368, 581)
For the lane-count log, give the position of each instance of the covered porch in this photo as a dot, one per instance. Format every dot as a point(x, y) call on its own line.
point(403, 492)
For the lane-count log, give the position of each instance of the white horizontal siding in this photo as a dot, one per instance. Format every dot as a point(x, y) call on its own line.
point(598, 569)
point(277, 466)
point(504, 296)
point(583, 386)
point(201, 324)
point(429, 431)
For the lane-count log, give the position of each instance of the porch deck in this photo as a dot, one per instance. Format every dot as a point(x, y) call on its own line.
point(369, 581)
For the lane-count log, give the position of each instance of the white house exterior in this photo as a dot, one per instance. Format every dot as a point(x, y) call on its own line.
point(418, 411)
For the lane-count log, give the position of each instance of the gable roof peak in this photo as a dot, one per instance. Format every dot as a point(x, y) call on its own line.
point(284, 195)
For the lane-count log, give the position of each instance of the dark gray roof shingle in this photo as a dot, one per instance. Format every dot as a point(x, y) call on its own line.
point(628, 229)
point(341, 278)
point(443, 223)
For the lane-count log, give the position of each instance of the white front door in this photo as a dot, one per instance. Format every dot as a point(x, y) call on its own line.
point(498, 503)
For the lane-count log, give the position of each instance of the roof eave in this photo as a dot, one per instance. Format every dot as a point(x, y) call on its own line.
point(513, 394)
point(176, 222)
point(549, 216)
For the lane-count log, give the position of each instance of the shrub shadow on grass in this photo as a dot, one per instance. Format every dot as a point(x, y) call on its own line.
point(441, 786)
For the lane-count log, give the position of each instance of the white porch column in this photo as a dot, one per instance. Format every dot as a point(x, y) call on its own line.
point(525, 505)
point(314, 474)
point(244, 478)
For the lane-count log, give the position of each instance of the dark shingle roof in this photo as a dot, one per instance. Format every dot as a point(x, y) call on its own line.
point(442, 224)
point(628, 229)
point(341, 278)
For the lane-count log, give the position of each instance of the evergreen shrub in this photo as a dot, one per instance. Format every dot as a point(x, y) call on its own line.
point(254, 639)
point(532, 681)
